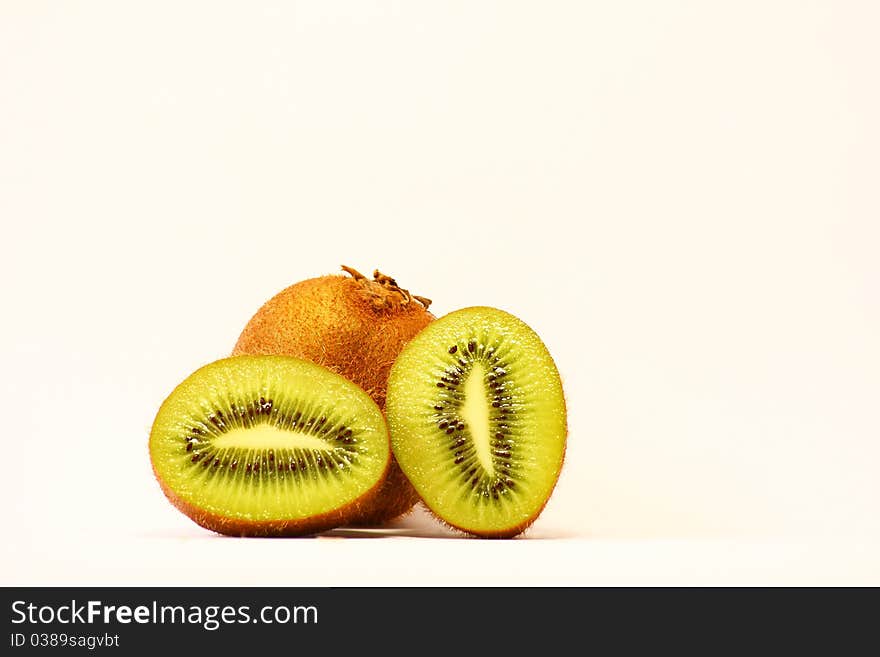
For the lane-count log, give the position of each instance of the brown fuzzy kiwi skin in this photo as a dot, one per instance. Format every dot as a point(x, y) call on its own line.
point(355, 327)
point(274, 528)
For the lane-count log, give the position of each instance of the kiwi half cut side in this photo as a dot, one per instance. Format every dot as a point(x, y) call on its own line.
point(269, 446)
point(478, 422)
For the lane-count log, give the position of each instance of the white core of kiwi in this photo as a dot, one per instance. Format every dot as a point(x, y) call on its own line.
point(265, 436)
point(475, 413)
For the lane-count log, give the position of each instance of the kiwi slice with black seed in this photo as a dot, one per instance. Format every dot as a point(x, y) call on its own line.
point(478, 422)
point(269, 446)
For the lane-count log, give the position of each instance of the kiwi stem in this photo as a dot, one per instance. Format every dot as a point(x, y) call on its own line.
point(384, 288)
point(354, 273)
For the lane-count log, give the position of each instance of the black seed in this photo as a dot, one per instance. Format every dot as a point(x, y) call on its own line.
point(458, 460)
point(216, 462)
point(247, 468)
point(510, 483)
point(257, 466)
point(233, 465)
point(450, 429)
point(440, 385)
point(271, 455)
point(472, 346)
point(496, 404)
point(438, 408)
point(322, 420)
point(459, 426)
point(189, 447)
point(443, 424)
point(348, 433)
point(198, 431)
point(453, 349)
point(499, 435)
point(195, 458)
point(292, 465)
point(462, 362)
point(502, 454)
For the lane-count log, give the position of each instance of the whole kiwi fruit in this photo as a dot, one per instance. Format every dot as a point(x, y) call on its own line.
point(355, 326)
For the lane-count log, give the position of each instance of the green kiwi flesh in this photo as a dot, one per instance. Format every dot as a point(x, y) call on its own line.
point(269, 446)
point(478, 422)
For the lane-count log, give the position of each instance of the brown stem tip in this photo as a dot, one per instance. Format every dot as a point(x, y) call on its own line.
point(384, 290)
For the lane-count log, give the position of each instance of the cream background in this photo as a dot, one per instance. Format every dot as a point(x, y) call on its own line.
point(681, 198)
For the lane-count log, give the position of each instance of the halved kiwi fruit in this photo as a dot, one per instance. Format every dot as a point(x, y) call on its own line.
point(269, 446)
point(478, 422)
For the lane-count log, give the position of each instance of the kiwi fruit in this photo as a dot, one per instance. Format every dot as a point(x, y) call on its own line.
point(269, 446)
point(478, 421)
point(356, 327)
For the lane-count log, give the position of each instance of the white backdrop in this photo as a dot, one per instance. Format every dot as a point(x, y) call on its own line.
point(681, 198)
